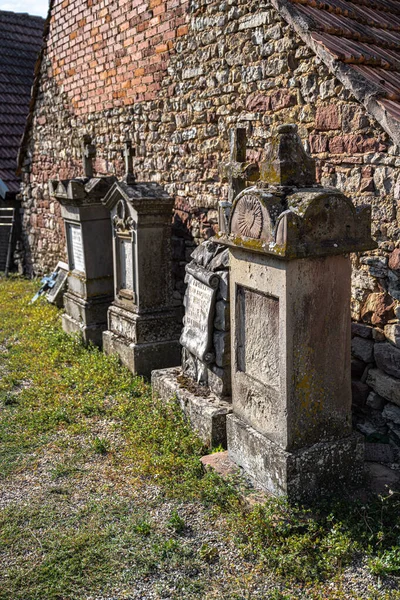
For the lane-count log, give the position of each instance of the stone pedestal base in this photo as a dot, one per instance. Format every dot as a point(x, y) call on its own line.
point(319, 470)
point(206, 414)
point(141, 359)
point(87, 317)
point(144, 342)
point(90, 333)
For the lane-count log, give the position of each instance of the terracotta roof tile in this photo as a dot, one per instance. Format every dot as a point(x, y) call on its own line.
point(20, 42)
point(364, 37)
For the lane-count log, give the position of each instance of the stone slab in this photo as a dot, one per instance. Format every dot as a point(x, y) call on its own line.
point(362, 349)
point(381, 479)
point(220, 462)
point(206, 414)
point(381, 453)
point(392, 333)
point(142, 359)
point(387, 358)
point(320, 470)
point(386, 386)
point(79, 285)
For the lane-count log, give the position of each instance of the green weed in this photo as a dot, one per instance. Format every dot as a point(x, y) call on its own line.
point(101, 446)
point(176, 522)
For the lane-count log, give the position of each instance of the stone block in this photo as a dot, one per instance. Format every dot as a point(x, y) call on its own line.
point(378, 309)
point(378, 335)
point(394, 260)
point(373, 428)
point(387, 358)
point(386, 386)
point(392, 333)
point(375, 401)
point(327, 118)
point(361, 330)
point(142, 358)
point(206, 414)
point(381, 453)
point(359, 393)
point(357, 368)
point(380, 478)
point(362, 349)
point(320, 470)
point(391, 412)
point(221, 463)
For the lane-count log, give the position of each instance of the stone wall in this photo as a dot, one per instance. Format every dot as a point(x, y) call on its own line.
point(175, 77)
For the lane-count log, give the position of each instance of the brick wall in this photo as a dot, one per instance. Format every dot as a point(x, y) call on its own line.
point(111, 54)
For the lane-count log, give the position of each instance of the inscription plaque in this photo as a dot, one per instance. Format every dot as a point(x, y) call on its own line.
point(75, 247)
point(199, 314)
point(126, 264)
point(258, 347)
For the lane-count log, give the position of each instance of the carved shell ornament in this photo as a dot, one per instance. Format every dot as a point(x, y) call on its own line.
point(249, 216)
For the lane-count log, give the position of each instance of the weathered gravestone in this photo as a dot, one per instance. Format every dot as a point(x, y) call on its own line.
point(203, 383)
point(55, 295)
point(89, 247)
point(288, 242)
point(143, 324)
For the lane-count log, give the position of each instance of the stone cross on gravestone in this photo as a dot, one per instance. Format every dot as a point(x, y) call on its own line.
point(236, 171)
point(128, 153)
point(88, 153)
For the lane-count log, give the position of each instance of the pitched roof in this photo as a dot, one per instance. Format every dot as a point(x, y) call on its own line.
point(359, 41)
point(21, 37)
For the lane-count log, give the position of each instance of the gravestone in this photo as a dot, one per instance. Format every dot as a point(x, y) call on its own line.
point(89, 247)
point(143, 324)
point(56, 294)
point(288, 243)
point(202, 384)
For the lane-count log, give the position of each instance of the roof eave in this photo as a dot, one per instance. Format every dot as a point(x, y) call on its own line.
point(363, 90)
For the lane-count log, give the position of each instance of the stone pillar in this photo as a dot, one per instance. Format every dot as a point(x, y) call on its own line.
point(143, 324)
point(290, 271)
point(89, 246)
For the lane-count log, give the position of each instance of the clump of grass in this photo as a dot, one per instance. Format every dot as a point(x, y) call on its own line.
point(101, 446)
point(176, 522)
point(208, 553)
point(143, 527)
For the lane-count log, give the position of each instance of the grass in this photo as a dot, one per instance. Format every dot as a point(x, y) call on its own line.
point(87, 446)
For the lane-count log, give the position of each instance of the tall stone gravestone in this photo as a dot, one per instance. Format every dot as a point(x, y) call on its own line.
point(143, 324)
point(202, 384)
point(290, 273)
point(89, 246)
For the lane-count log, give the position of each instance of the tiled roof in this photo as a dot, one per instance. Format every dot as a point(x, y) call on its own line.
point(359, 40)
point(20, 42)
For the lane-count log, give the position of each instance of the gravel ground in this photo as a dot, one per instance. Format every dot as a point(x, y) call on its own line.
point(226, 574)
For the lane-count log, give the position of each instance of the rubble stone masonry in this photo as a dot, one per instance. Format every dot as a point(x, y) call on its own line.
point(174, 76)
